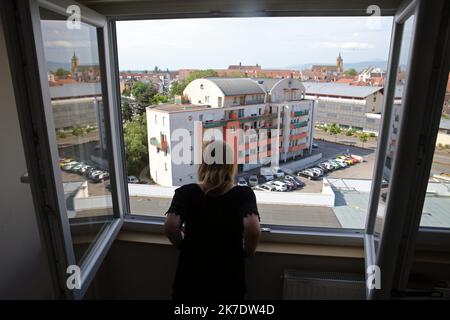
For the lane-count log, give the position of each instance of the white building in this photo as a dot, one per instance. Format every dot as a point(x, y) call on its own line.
point(256, 106)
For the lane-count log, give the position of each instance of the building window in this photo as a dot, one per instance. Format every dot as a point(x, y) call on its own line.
point(156, 119)
point(200, 117)
point(165, 166)
point(190, 118)
point(163, 121)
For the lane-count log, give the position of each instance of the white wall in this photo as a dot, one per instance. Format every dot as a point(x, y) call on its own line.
point(24, 272)
point(199, 89)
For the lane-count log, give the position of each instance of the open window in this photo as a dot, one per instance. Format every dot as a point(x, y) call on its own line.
point(70, 92)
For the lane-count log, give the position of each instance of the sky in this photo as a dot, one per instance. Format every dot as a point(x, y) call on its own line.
point(275, 42)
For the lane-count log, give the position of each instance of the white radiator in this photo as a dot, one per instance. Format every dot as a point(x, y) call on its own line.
point(303, 285)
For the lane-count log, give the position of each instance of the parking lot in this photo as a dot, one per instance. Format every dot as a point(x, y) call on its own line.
point(329, 151)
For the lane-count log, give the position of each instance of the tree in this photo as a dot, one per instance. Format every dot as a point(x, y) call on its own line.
point(363, 137)
point(350, 72)
point(136, 145)
point(77, 131)
point(159, 98)
point(143, 93)
point(127, 111)
point(334, 129)
point(62, 72)
point(178, 86)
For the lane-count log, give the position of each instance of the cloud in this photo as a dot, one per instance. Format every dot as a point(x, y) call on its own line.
point(343, 45)
point(67, 44)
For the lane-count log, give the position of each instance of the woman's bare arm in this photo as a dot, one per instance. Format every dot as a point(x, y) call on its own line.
point(172, 228)
point(252, 232)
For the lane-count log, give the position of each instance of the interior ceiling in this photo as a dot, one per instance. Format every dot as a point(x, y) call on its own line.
point(204, 8)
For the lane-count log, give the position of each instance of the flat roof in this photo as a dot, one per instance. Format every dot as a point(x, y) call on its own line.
point(172, 108)
point(339, 89)
point(76, 90)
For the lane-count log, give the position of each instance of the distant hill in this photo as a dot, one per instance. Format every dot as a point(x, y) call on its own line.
point(53, 66)
point(358, 66)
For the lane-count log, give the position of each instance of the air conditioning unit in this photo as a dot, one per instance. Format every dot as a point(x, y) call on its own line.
point(304, 285)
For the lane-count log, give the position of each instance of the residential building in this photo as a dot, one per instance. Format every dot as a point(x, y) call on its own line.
point(356, 107)
point(256, 106)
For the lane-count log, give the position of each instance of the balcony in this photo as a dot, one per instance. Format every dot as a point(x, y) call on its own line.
point(298, 136)
point(214, 124)
point(299, 125)
point(297, 147)
point(163, 145)
point(299, 113)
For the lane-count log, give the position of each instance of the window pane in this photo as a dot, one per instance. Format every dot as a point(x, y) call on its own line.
point(395, 119)
point(436, 211)
point(78, 116)
point(328, 114)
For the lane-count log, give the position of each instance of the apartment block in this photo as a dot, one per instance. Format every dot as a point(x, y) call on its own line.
point(252, 115)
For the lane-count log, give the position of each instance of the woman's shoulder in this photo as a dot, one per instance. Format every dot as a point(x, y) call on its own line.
point(246, 191)
point(188, 188)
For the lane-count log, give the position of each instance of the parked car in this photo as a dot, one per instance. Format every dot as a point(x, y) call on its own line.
point(335, 164)
point(85, 167)
point(310, 174)
point(297, 181)
point(253, 180)
point(347, 160)
point(100, 177)
point(327, 165)
point(315, 145)
point(278, 172)
point(290, 184)
point(133, 179)
point(68, 166)
point(341, 162)
point(77, 168)
point(279, 186)
point(317, 170)
point(265, 187)
point(267, 173)
point(323, 167)
point(241, 182)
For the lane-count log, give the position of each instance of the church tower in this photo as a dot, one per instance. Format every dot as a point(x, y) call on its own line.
point(75, 62)
point(340, 63)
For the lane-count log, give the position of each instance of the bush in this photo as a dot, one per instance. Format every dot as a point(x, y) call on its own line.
point(440, 145)
point(349, 133)
point(61, 134)
point(77, 131)
point(372, 135)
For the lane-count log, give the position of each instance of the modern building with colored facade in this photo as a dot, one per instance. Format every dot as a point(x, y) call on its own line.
point(255, 116)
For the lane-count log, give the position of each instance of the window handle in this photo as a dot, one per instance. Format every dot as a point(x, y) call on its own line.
point(25, 178)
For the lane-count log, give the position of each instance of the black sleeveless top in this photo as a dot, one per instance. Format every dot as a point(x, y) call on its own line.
point(211, 260)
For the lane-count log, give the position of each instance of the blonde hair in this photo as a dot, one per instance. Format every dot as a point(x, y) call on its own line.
point(217, 175)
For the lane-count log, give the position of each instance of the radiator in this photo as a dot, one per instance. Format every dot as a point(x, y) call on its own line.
point(304, 285)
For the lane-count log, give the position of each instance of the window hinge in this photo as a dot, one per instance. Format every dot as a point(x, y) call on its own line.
point(265, 229)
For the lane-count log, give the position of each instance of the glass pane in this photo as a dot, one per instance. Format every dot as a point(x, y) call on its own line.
point(436, 210)
point(74, 76)
point(331, 125)
point(395, 119)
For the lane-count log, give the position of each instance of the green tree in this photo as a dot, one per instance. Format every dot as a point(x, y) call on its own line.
point(127, 111)
point(334, 129)
point(363, 137)
point(143, 93)
point(350, 72)
point(159, 98)
point(62, 72)
point(136, 145)
point(178, 86)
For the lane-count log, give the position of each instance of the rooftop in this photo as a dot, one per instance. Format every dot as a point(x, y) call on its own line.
point(339, 89)
point(237, 86)
point(76, 90)
point(173, 108)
